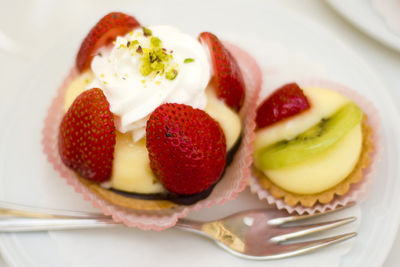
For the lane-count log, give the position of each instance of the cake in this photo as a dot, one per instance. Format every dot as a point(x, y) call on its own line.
point(153, 121)
point(312, 145)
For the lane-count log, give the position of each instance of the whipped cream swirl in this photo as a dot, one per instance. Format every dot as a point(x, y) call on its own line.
point(133, 96)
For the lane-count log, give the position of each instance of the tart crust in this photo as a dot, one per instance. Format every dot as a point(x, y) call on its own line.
point(326, 196)
point(126, 202)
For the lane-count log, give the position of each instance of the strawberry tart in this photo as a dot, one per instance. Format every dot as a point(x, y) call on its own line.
point(153, 120)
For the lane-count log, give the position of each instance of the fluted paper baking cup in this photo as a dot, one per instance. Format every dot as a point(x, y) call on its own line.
point(233, 181)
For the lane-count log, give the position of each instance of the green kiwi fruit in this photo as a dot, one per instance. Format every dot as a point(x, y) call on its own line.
point(317, 139)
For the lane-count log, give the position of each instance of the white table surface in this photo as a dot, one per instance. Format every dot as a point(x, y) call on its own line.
point(383, 60)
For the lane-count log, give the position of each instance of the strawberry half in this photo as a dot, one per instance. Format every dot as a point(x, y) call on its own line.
point(87, 136)
point(104, 32)
point(285, 102)
point(187, 148)
point(228, 77)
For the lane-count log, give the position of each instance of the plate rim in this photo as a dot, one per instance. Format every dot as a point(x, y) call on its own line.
point(385, 39)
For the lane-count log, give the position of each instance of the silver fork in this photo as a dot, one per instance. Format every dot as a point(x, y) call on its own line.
point(252, 234)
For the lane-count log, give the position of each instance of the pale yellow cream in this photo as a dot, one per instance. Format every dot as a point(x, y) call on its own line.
point(131, 167)
point(226, 117)
point(321, 171)
point(77, 87)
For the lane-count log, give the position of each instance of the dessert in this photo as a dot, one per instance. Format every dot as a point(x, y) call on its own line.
point(152, 120)
point(312, 144)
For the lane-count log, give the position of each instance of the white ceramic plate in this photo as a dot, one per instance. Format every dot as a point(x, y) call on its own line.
point(26, 177)
point(362, 14)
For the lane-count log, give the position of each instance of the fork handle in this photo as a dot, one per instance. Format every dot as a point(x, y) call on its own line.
point(22, 218)
point(18, 224)
point(21, 224)
point(8, 209)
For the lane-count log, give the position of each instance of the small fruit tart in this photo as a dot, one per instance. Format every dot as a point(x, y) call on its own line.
point(151, 121)
point(313, 147)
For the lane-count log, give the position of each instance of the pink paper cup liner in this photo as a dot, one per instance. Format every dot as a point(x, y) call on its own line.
point(233, 181)
point(358, 191)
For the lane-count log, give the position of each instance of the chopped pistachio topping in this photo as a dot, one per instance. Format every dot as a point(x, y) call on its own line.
point(139, 50)
point(155, 59)
point(188, 60)
point(145, 70)
point(171, 74)
point(133, 44)
point(146, 31)
point(155, 42)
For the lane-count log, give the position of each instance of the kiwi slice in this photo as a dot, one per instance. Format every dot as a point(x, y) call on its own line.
point(317, 139)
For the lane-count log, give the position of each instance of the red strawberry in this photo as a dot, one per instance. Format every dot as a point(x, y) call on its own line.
point(285, 102)
point(227, 74)
point(104, 32)
point(187, 148)
point(87, 136)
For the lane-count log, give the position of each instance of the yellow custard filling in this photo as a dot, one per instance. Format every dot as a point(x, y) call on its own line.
point(324, 170)
point(131, 170)
point(77, 87)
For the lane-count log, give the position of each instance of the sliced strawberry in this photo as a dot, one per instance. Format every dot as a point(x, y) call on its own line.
point(87, 136)
point(104, 32)
point(187, 148)
point(285, 102)
point(228, 77)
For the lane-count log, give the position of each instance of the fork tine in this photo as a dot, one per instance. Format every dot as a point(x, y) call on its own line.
point(286, 219)
point(286, 233)
point(290, 250)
